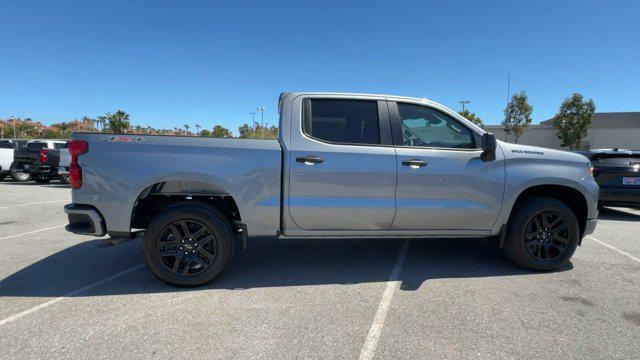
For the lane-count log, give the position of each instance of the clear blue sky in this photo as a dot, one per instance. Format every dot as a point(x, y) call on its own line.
point(168, 63)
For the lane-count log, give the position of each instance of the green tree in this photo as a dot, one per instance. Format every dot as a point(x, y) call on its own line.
point(517, 115)
point(205, 132)
point(246, 131)
point(256, 131)
point(186, 128)
point(118, 122)
point(221, 132)
point(573, 120)
point(471, 117)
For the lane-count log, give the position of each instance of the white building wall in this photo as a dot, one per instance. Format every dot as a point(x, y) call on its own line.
point(628, 138)
point(597, 138)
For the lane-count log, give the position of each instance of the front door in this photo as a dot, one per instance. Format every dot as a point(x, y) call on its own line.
point(443, 184)
point(341, 177)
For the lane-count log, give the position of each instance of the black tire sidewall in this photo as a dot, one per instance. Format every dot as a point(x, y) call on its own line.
point(515, 248)
point(209, 216)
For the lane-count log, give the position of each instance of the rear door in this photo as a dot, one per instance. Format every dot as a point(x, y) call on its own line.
point(443, 184)
point(341, 165)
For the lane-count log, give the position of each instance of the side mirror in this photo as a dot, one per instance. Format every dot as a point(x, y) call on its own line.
point(488, 147)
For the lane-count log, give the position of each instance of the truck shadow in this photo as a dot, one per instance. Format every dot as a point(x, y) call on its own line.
point(618, 214)
point(52, 184)
point(266, 263)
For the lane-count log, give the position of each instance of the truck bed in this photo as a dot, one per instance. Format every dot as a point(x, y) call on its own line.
point(118, 169)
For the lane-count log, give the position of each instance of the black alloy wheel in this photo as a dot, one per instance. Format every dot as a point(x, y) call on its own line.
point(188, 244)
point(542, 234)
point(187, 247)
point(546, 236)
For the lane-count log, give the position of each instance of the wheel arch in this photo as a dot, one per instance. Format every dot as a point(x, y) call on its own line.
point(158, 195)
point(570, 196)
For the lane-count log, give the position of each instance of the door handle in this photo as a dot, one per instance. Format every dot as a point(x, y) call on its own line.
point(310, 160)
point(414, 163)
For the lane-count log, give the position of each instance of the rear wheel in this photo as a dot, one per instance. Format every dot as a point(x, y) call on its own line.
point(42, 178)
point(542, 234)
point(20, 176)
point(188, 244)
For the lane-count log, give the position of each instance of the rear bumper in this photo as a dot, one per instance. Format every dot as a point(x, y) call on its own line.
point(84, 220)
point(34, 169)
point(619, 197)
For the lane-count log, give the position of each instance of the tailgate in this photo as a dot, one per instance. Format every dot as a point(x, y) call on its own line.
point(25, 158)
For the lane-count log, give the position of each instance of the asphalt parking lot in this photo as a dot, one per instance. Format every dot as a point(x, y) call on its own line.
point(64, 296)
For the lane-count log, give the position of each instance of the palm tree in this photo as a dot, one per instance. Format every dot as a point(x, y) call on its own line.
point(102, 120)
point(187, 127)
point(119, 122)
point(198, 129)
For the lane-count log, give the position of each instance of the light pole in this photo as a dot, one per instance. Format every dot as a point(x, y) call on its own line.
point(261, 109)
point(463, 102)
point(253, 118)
point(13, 122)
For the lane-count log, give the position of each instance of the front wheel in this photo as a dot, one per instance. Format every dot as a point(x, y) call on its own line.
point(542, 234)
point(188, 244)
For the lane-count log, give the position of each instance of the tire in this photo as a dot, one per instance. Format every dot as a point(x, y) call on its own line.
point(64, 178)
point(20, 176)
point(42, 178)
point(165, 240)
point(530, 245)
point(3, 174)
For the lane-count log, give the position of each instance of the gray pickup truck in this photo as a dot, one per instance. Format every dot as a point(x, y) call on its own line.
point(344, 166)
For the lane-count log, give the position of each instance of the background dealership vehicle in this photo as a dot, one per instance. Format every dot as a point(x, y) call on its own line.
point(345, 165)
point(6, 157)
point(7, 149)
point(40, 159)
point(617, 172)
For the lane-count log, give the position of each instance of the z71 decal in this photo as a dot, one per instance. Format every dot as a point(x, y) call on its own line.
point(123, 138)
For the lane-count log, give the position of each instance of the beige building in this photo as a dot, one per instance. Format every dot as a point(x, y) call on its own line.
point(608, 130)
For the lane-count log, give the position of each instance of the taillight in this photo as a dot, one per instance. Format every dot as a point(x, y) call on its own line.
point(76, 148)
point(43, 156)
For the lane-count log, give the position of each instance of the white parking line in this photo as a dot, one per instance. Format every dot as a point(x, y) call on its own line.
point(33, 203)
point(30, 232)
point(73, 293)
point(614, 249)
point(370, 344)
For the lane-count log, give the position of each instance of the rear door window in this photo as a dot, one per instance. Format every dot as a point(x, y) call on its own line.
point(36, 145)
point(616, 160)
point(6, 145)
point(342, 121)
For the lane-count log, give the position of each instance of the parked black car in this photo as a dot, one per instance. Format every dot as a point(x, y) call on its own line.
point(617, 171)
